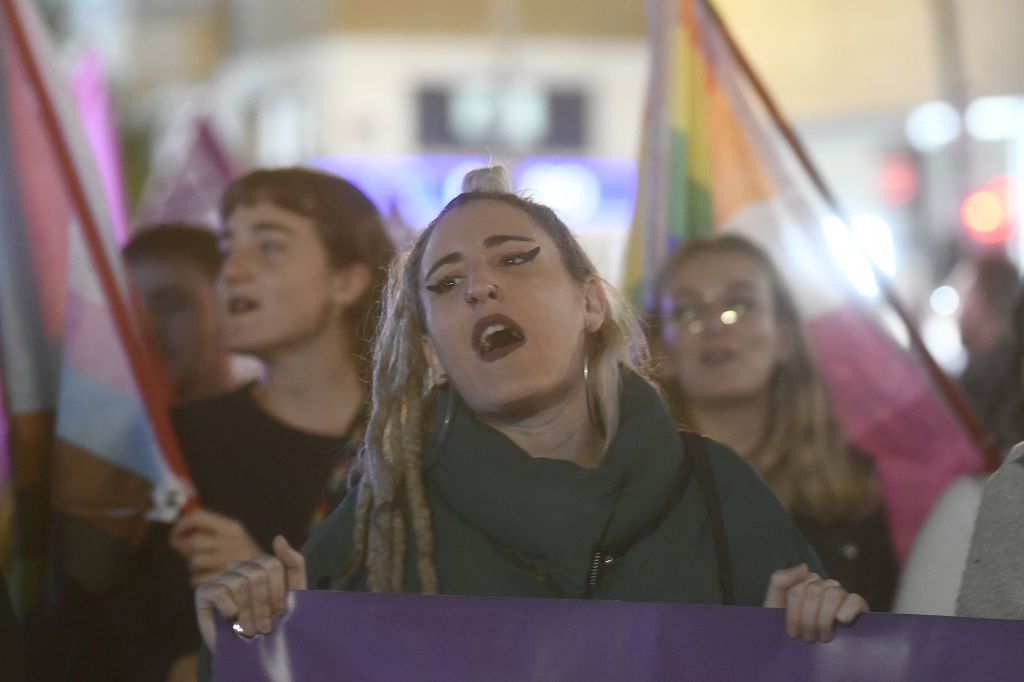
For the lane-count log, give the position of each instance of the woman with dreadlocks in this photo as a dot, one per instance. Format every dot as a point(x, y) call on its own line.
point(516, 448)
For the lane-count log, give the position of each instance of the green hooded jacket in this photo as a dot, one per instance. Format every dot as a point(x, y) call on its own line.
point(507, 524)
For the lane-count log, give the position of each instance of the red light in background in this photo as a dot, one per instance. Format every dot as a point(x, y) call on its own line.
point(1002, 186)
point(898, 179)
point(985, 213)
point(982, 213)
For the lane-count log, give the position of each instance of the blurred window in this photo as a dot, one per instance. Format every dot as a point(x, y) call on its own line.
point(517, 116)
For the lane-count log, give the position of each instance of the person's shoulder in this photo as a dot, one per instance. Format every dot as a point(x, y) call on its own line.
point(736, 480)
point(1011, 472)
point(729, 466)
point(965, 491)
point(1006, 485)
point(761, 535)
point(1016, 456)
point(211, 428)
point(214, 406)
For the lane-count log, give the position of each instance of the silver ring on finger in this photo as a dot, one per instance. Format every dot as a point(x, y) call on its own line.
point(240, 631)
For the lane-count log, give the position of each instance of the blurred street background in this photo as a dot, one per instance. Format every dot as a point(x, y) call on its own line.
point(913, 110)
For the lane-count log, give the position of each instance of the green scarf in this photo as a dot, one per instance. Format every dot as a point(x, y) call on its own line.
point(553, 513)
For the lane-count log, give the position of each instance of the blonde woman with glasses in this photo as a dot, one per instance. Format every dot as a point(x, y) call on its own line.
point(742, 373)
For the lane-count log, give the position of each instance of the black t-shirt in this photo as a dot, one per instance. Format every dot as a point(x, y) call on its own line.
point(248, 465)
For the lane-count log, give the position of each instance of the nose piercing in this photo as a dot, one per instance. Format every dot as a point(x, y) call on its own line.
point(492, 293)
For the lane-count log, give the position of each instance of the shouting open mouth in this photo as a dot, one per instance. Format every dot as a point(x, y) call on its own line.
point(495, 336)
point(238, 305)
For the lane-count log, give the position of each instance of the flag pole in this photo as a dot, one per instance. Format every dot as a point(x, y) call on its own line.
point(946, 387)
point(151, 394)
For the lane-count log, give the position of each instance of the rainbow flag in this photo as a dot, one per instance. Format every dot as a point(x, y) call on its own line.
point(713, 159)
point(91, 454)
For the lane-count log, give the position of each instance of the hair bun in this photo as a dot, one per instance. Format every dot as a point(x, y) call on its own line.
point(490, 179)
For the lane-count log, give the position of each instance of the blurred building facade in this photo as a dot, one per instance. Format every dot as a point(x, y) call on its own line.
point(515, 79)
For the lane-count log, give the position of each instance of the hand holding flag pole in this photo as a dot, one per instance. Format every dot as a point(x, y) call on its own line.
point(152, 397)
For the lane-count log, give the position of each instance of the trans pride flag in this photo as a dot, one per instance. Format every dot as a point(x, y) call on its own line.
point(96, 112)
point(92, 456)
point(715, 157)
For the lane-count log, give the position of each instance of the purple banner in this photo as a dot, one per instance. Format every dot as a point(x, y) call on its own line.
point(357, 636)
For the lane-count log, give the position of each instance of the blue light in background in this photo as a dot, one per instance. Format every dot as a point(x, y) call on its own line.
point(589, 193)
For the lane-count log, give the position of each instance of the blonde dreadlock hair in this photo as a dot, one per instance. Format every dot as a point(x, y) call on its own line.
point(391, 490)
point(802, 456)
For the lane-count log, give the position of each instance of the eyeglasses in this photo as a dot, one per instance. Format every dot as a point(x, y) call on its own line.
point(697, 317)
